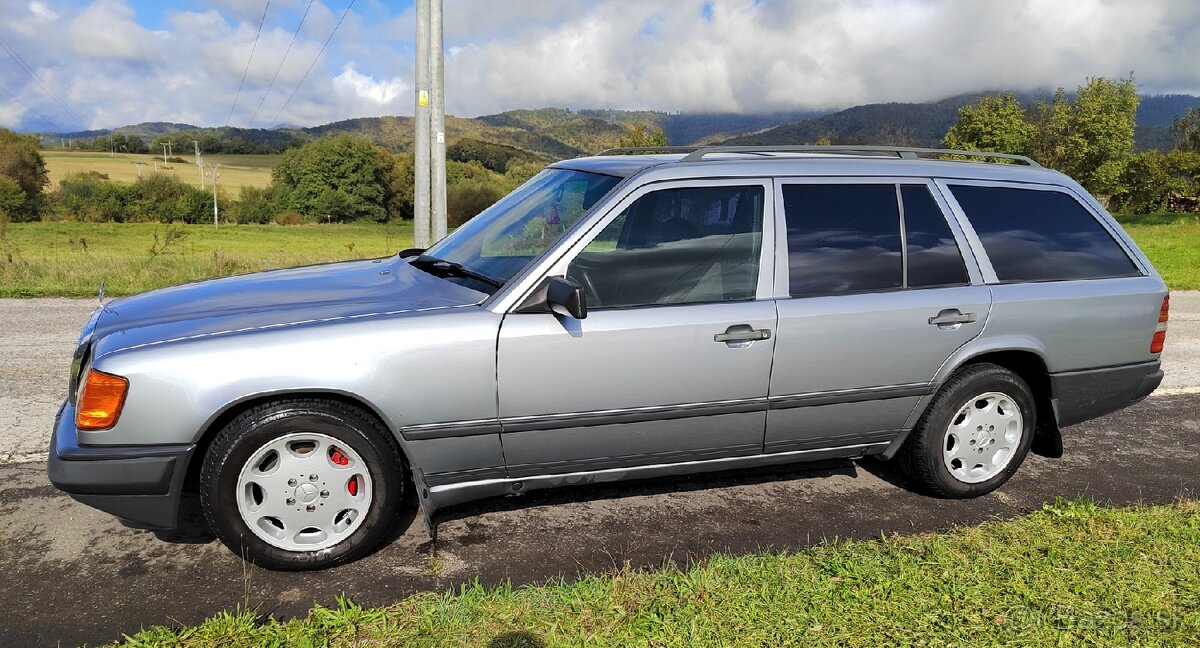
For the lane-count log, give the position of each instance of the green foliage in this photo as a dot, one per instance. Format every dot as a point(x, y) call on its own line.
point(1089, 138)
point(22, 163)
point(466, 198)
point(642, 135)
point(153, 198)
point(994, 124)
point(493, 156)
point(12, 200)
point(254, 205)
point(1185, 132)
point(336, 179)
point(1155, 181)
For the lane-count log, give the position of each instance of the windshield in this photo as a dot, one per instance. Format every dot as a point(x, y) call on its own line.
point(505, 237)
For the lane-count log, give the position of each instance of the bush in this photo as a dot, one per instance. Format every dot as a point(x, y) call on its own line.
point(1155, 182)
point(465, 199)
point(254, 206)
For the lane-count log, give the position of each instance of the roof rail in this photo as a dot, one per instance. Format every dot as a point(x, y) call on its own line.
point(633, 150)
point(909, 153)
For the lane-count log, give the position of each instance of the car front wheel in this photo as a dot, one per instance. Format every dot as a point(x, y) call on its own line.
point(301, 484)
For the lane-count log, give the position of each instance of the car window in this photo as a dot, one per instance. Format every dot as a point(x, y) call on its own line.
point(1032, 235)
point(842, 238)
point(933, 257)
point(676, 246)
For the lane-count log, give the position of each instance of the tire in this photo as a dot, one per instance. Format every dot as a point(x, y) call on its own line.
point(269, 474)
point(954, 451)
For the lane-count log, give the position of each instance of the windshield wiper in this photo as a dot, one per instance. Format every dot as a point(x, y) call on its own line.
point(451, 268)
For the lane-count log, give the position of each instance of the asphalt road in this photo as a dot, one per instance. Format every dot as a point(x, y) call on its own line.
point(71, 574)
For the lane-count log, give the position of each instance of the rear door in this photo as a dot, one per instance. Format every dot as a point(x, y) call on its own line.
point(876, 296)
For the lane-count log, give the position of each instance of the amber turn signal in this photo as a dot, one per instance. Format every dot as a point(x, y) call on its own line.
point(100, 401)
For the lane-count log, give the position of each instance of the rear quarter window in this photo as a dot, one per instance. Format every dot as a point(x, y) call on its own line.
point(1033, 235)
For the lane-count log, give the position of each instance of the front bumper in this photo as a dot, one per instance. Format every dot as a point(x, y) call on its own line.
point(141, 485)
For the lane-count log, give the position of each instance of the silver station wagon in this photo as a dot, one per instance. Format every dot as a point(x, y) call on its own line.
point(628, 315)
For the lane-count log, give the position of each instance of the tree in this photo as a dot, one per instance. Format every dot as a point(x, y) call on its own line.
point(1185, 131)
point(1089, 138)
point(342, 178)
point(994, 124)
point(643, 135)
point(21, 162)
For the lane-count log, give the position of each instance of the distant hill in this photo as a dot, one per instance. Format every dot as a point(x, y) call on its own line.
point(924, 124)
point(556, 133)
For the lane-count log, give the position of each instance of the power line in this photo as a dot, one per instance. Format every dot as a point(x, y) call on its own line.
point(247, 70)
point(8, 49)
point(16, 98)
point(281, 62)
point(314, 62)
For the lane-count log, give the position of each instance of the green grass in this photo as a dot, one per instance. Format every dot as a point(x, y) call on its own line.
point(1172, 241)
point(1070, 574)
point(237, 171)
point(68, 259)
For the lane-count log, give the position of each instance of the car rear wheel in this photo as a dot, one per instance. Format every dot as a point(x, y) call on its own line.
point(301, 484)
point(974, 435)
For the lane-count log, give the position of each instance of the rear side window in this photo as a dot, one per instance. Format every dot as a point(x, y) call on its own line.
point(933, 256)
point(1034, 235)
point(842, 238)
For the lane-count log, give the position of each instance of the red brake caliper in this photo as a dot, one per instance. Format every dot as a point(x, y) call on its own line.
point(352, 486)
point(338, 458)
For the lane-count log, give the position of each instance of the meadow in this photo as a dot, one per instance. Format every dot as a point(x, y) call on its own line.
point(70, 259)
point(236, 171)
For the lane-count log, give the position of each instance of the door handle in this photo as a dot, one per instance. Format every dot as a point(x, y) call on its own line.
point(742, 333)
point(951, 316)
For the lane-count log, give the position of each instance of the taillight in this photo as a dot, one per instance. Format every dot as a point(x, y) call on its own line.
point(101, 398)
point(1160, 331)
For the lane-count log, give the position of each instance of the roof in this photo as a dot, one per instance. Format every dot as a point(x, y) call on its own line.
point(665, 167)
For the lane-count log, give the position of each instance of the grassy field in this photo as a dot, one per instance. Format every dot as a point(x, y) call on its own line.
point(1071, 574)
point(237, 171)
point(1172, 241)
point(66, 259)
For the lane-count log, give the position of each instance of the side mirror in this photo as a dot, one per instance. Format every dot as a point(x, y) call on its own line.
point(557, 295)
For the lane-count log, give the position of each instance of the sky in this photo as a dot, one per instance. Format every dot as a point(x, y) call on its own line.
point(84, 64)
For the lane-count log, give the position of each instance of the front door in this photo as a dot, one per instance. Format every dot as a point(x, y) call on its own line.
point(672, 362)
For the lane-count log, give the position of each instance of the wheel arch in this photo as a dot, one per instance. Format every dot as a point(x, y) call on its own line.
point(233, 409)
point(1026, 358)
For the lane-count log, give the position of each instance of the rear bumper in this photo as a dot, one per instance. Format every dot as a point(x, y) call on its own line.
point(139, 484)
point(1084, 395)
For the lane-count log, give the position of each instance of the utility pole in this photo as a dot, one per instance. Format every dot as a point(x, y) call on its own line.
point(438, 127)
point(139, 166)
point(165, 154)
point(421, 189)
point(215, 175)
point(199, 162)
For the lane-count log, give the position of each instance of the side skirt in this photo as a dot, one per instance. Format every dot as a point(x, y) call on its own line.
point(435, 498)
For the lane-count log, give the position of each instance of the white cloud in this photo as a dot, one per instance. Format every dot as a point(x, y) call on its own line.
point(381, 92)
point(690, 55)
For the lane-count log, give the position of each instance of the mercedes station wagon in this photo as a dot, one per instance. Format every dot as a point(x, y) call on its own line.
point(633, 314)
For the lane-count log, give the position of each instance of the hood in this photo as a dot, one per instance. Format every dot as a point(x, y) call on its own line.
point(277, 297)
